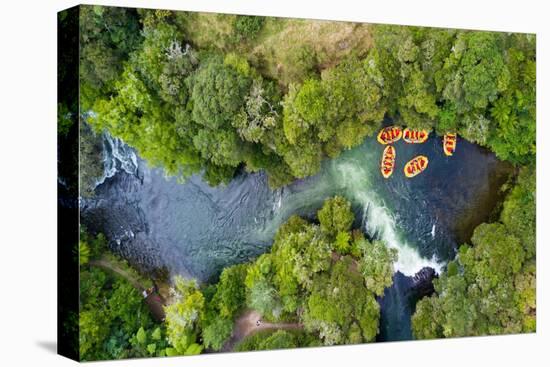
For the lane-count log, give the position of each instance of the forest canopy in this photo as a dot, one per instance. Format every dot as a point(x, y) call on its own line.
point(304, 280)
point(323, 288)
point(218, 94)
point(212, 110)
point(490, 287)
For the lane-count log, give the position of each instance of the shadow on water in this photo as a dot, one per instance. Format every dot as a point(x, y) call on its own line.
point(196, 230)
point(395, 321)
point(399, 303)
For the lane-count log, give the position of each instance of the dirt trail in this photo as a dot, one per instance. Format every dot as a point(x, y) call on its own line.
point(251, 322)
point(153, 300)
point(106, 264)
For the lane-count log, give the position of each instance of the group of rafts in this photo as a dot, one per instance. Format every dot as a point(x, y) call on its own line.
point(418, 164)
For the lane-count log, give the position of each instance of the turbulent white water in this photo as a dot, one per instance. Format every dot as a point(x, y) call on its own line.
point(379, 223)
point(196, 230)
point(117, 156)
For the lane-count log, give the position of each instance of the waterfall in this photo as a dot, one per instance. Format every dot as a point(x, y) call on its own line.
point(379, 223)
point(196, 230)
point(117, 156)
point(200, 228)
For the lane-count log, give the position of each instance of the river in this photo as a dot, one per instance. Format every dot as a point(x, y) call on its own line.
point(196, 230)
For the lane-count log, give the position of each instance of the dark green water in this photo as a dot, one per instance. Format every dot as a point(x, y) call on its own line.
point(196, 230)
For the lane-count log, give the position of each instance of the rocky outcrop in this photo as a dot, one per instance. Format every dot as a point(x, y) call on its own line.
point(422, 282)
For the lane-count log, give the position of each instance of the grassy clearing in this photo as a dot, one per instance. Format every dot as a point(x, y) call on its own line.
point(286, 50)
point(282, 38)
point(209, 31)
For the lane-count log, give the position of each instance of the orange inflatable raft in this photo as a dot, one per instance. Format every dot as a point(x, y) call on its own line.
point(415, 136)
point(388, 161)
point(389, 135)
point(415, 166)
point(449, 144)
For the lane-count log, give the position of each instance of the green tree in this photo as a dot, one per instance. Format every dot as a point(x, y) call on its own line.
point(519, 210)
point(323, 117)
point(94, 329)
point(90, 163)
point(406, 59)
point(335, 216)
point(183, 318)
point(107, 36)
point(111, 312)
point(125, 304)
point(280, 339)
point(479, 84)
point(342, 243)
point(376, 265)
point(149, 342)
point(426, 321)
point(83, 253)
point(482, 300)
point(262, 295)
point(300, 255)
point(300, 63)
point(514, 111)
point(165, 61)
point(218, 94)
point(355, 107)
point(340, 305)
point(490, 288)
point(134, 115)
point(277, 339)
point(259, 114)
point(215, 334)
point(230, 294)
point(247, 27)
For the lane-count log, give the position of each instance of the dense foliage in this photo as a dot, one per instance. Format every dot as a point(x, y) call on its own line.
point(183, 318)
point(479, 84)
point(107, 36)
point(247, 27)
point(187, 111)
point(205, 103)
point(277, 339)
point(191, 110)
point(341, 308)
point(323, 117)
point(490, 287)
point(113, 320)
point(302, 280)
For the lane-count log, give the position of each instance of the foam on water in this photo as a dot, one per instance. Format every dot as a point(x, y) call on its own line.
point(198, 229)
point(117, 156)
point(378, 221)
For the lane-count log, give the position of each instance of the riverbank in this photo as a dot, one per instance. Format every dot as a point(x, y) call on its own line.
point(195, 230)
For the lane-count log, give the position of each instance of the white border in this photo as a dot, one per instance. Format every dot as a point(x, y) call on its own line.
point(28, 181)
